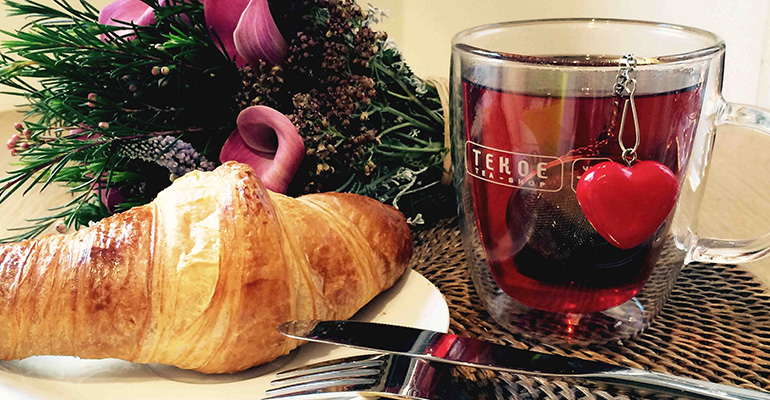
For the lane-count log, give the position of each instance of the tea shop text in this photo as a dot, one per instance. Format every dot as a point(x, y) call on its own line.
point(530, 171)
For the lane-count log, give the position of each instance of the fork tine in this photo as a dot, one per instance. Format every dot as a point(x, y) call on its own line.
point(365, 361)
point(352, 373)
point(330, 375)
point(321, 387)
point(380, 375)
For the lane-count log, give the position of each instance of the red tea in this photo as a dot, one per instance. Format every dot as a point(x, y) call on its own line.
point(524, 156)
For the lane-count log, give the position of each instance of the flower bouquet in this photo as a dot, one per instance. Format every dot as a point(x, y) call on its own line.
point(122, 101)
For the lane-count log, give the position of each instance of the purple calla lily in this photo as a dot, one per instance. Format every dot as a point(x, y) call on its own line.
point(119, 12)
point(222, 18)
point(247, 30)
point(135, 11)
point(110, 197)
point(267, 141)
point(259, 38)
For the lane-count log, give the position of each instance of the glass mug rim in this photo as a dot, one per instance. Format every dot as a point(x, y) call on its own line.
point(459, 43)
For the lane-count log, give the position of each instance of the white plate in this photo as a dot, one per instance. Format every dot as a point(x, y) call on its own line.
point(412, 301)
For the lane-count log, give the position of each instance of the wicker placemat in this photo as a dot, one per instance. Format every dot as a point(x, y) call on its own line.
point(715, 327)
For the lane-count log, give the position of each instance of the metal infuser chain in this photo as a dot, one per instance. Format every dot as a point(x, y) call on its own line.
point(625, 85)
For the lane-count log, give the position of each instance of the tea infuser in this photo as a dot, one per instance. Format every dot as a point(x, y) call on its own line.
point(626, 204)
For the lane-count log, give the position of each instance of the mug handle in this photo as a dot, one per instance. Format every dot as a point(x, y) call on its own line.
point(731, 251)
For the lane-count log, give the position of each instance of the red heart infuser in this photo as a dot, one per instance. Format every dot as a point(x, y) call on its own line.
point(627, 204)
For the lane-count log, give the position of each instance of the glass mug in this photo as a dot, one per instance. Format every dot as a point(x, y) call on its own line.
point(536, 104)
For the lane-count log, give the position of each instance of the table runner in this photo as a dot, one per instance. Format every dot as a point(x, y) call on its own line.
point(715, 327)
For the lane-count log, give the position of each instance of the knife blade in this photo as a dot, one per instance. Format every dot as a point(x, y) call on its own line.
point(438, 346)
point(453, 349)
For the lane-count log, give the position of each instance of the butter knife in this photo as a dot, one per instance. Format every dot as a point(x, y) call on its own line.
point(453, 349)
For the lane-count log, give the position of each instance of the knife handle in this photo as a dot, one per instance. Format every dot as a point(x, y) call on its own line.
point(679, 385)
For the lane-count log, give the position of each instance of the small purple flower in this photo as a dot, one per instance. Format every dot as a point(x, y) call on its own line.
point(177, 156)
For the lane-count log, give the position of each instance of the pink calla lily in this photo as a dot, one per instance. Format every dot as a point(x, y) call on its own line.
point(122, 12)
point(257, 37)
point(110, 197)
point(246, 30)
point(135, 11)
point(119, 12)
point(222, 18)
point(267, 141)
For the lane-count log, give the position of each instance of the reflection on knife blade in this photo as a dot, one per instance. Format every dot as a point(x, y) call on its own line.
point(437, 346)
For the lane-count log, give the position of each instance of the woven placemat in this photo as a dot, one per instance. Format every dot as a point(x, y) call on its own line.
point(715, 327)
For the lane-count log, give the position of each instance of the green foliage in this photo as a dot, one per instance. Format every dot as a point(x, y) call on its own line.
point(92, 89)
point(103, 101)
point(370, 125)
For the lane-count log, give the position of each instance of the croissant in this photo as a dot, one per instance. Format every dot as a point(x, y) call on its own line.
point(201, 277)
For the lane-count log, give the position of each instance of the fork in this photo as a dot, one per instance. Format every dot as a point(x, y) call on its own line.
point(374, 375)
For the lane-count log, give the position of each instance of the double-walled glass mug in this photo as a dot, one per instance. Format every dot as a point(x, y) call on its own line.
point(535, 107)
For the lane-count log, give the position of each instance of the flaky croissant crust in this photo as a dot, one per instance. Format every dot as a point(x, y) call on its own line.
point(200, 277)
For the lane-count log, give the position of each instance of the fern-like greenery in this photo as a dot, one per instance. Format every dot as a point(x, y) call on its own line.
point(95, 91)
